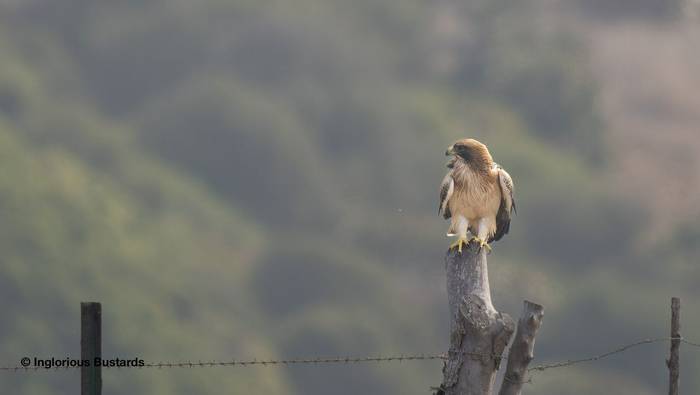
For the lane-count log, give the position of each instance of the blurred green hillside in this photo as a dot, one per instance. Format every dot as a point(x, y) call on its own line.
point(241, 179)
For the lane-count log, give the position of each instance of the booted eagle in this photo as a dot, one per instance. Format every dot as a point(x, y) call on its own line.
point(477, 194)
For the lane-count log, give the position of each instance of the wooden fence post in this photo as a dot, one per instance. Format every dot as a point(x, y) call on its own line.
point(673, 361)
point(478, 332)
point(90, 347)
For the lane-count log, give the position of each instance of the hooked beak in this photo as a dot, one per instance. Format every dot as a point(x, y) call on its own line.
point(450, 151)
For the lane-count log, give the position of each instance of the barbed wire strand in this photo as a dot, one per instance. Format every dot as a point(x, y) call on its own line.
point(353, 360)
point(253, 362)
point(621, 349)
point(683, 340)
point(603, 355)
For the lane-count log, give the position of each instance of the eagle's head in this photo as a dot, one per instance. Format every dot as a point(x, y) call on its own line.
point(472, 152)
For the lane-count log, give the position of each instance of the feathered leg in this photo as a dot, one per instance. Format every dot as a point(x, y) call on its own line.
point(461, 226)
point(483, 233)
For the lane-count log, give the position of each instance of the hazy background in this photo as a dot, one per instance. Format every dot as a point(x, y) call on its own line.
point(258, 179)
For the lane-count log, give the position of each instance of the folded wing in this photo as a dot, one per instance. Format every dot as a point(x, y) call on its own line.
point(446, 189)
point(507, 207)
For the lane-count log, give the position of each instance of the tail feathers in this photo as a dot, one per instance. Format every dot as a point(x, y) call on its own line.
point(451, 231)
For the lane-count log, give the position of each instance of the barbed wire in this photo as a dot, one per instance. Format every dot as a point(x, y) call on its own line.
point(252, 362)
point(272, 362)
point(608, 353)
point(355, 360)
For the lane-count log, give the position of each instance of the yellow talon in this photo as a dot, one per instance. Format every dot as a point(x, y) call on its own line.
point(483, 244)
point(460, 241)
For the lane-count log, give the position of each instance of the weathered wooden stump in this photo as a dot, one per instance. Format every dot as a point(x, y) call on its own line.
point(479, 333)
point(521, 351)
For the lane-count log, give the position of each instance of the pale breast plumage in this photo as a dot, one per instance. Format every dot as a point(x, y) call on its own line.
point(475, 195)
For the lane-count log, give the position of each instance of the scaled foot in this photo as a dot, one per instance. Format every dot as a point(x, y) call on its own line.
point(459, 243)
point(482, 244)
point(465, 242)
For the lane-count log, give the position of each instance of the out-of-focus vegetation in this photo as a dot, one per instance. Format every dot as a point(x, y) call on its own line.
point(240, 179)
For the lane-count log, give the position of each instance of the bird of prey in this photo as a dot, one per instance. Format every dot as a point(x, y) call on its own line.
point(476, 194)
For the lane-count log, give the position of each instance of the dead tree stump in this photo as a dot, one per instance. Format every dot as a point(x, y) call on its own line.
point(478, 332)
point(521, 351)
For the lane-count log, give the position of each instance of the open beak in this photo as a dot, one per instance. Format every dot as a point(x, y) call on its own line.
point(450, 151)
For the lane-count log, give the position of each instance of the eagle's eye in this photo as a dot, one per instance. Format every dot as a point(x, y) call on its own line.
point(462, 151)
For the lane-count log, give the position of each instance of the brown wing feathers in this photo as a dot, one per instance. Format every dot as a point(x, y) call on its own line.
point(507, 206)
point(446, 189)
